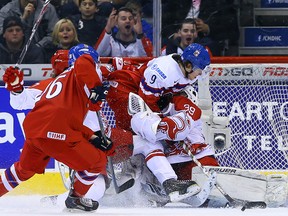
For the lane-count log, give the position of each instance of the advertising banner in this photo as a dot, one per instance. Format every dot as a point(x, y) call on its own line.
point(265, 36)
point(274, 3)
point(11, 132)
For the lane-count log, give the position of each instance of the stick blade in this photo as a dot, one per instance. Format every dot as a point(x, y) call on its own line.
point(128, 184)
point(251, 205)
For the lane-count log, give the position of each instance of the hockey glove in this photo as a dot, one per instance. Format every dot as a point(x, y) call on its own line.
point(164, 100)
point(100, 143)
point(13, 79)
point(119, 63)
point(98, 93)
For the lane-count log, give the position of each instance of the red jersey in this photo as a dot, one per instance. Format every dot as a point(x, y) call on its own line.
point(185, 104)
point(63, 105)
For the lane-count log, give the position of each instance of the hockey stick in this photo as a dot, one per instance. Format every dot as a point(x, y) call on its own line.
point(233, 202)
point(126, 185)
point(66, 181)
point(24, 50)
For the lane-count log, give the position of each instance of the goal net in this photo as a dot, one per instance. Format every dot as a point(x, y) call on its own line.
point(255, 98)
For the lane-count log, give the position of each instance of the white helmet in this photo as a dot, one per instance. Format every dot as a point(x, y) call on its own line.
point(191, 93)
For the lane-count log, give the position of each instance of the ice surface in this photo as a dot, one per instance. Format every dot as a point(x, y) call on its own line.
point(30, 205)
point(129, 203)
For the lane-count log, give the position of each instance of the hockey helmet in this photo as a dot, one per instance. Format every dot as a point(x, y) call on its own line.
point(80, 49)
point(191, 93)
point(197, 55)
point(59, 61)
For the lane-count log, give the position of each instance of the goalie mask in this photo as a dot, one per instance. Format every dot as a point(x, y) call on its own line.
point(76, 51)
point(191, 94)
point(59, 61)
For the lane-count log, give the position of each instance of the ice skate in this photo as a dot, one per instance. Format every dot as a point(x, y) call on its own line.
point(155, 194)
point(178, 190)
point(80, 203)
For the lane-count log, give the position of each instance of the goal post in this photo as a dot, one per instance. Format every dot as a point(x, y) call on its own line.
point(253, 93)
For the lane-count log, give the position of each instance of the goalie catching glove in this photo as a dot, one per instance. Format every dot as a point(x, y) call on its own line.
point(104, 144)
point(98, 93)
point(13, 79)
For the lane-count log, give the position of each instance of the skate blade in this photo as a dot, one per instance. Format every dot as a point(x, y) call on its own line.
point(77, 211)
point(191, 191)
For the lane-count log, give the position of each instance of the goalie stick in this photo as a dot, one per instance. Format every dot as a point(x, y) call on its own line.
point(232, 202)
point(126, 185)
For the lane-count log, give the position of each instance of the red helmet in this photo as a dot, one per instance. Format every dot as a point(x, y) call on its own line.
point(59, 61)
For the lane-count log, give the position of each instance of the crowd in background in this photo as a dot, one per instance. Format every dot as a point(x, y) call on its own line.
point(114, 28)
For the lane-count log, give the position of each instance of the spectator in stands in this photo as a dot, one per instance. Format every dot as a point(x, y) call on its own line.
point(66, 8)
point(129, 41)
point(28, 11)
point(13, 42)
point(106, 6)
point(216, 21)
point(64, 36)
point(185, 36)
point(89, 24)
point(136, 7)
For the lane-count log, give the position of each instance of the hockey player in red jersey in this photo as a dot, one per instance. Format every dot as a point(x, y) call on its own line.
point(24, 98)
point(54, 128)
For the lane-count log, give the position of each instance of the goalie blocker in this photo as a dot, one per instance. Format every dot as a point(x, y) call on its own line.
point(247, 185)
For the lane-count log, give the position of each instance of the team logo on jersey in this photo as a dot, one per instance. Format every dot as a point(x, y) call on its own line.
point(158, 70)
point(57, 136)
point(113, 84)
point(196, 53)
point(172, 126)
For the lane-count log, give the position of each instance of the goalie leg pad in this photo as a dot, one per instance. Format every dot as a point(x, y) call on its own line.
point(174, 128)
point(239, 184)
point(145, 124)
point(202, 196)
point(247, 185)
point(276, 190)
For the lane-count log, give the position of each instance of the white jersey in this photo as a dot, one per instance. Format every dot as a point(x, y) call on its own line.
point(110, 46)
point(161, 76)
point(25, 100)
